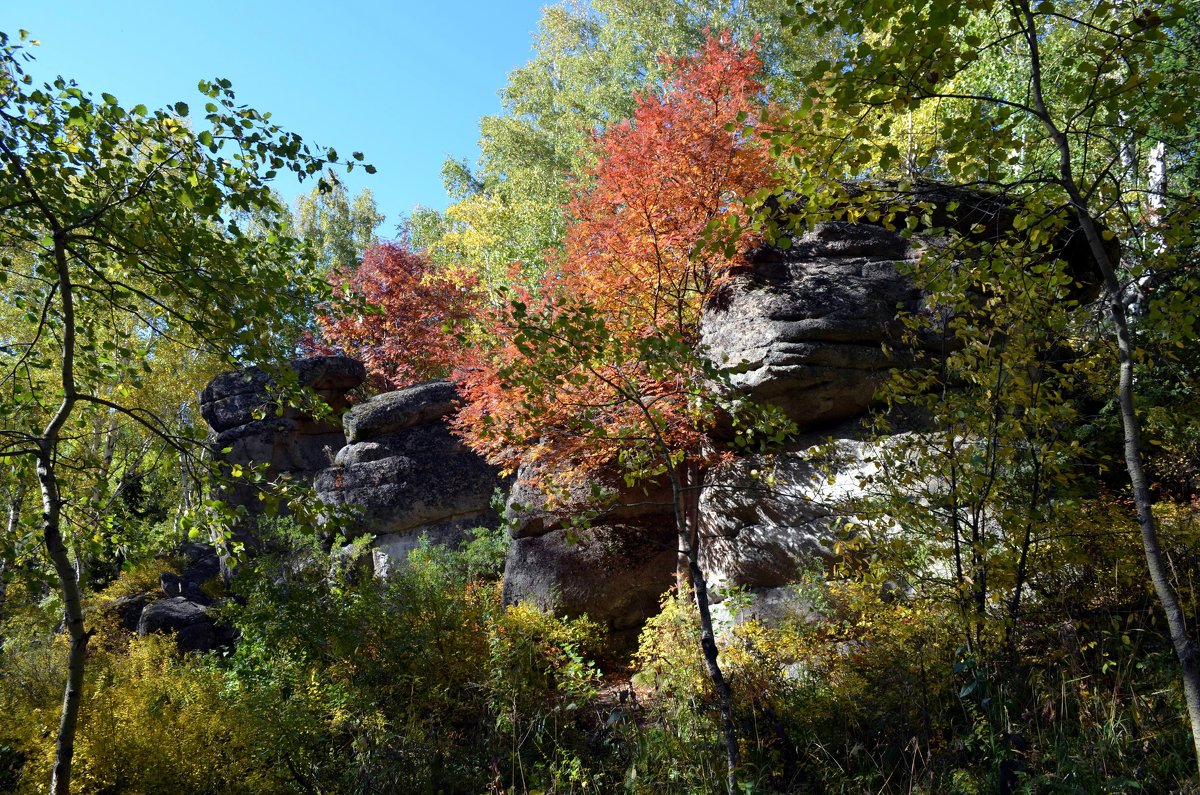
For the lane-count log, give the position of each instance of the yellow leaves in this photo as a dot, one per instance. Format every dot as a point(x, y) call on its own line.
point(151, 722)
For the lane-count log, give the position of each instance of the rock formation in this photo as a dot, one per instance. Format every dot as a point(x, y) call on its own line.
point(180, 606)
point(804, 328)
point(243, 410)
point(409, 475)
point(614, 567)
point(811, 329)
point(393, 456)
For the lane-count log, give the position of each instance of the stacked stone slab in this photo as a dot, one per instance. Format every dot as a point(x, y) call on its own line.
point(408, 474)
point(243, 410)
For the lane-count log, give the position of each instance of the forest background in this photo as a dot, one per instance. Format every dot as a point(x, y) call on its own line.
point(1048, 590)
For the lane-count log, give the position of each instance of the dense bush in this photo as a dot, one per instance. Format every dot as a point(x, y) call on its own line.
point(426, 683)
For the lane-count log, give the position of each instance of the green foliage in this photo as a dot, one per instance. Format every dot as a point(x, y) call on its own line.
point(335, 230)
point(122, 236)
point(422, 683)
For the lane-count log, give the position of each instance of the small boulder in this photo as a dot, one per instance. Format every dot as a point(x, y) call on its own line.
point(171, 615)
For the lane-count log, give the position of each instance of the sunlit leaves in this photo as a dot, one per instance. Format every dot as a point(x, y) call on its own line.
point(401, 315)
point(601, 370)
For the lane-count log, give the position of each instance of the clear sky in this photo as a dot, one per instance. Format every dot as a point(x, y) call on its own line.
point(405, 82)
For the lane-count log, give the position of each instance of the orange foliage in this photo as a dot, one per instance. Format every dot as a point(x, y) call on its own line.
point(600, 369)
point(679, 167)
point(400, 330)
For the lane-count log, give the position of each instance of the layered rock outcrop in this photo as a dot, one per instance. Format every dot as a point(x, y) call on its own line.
point(804, 329)
point(408, 474)
point(811, 329)
point(392, 458)
point(243, 409)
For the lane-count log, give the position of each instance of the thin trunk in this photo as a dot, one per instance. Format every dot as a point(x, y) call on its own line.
point(686, 490)
point(185, 498)
point(64, 748)
point(1014, 604)
point(1157, 193)
point(1185, 648)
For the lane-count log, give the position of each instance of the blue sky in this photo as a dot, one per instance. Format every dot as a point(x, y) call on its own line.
point(404, 82)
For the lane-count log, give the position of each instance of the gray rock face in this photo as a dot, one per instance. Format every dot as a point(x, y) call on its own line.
point(285, 444)
point(420, 404)
point(805, 327)
point(234, 399)
point(530, 511)
point(615, 570)
point(615, 574)
point(764, 518)
point(409, 474)
point(250, 428)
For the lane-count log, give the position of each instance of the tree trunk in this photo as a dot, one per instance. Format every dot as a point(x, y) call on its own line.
point(1185, 648)
point(686, 488)
point(64, 749)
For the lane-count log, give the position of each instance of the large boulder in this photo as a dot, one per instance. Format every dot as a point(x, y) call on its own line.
point(813, 329)
point(242, 397)
point(408, 474)
point(805, 328)
point(180, 606)
point(192, 624)
point(392, 412)
point(615, 574)
point(596, 548)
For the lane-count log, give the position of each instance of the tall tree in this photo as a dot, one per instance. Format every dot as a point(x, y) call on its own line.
point(602, 370)
point(125, 218)
point(589, 59)
point(1040, 99)
point(337, 230)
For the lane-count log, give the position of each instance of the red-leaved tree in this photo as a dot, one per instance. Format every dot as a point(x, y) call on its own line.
point(663, 182)
point(652, 240)
point(601, 372)
point(399, 316)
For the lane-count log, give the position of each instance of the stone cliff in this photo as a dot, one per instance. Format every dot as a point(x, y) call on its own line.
point(811, 329)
